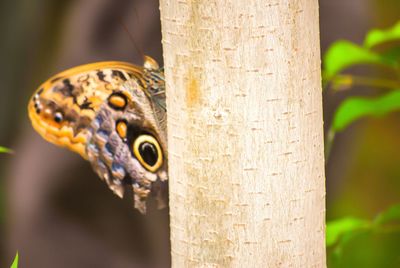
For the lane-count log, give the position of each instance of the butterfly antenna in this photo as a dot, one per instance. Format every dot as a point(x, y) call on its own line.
point(131, 38)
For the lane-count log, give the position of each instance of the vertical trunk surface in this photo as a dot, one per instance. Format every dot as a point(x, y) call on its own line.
point(245, 133)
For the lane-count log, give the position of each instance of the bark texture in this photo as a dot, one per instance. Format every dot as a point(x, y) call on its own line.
point(245, 133)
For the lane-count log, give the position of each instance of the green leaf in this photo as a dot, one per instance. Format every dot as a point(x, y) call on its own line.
point(377, 36)
point(5, 150)
point(15, 262)
point(391, 214)
point(343, 54)
point(357, 107)
point(336, 229)
point(392, 54)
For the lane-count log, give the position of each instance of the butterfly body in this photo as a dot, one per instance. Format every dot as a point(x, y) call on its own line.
point(112, 114)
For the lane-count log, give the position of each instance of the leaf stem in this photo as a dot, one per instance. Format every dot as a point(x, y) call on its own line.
point(330, 138)
point(344, 82)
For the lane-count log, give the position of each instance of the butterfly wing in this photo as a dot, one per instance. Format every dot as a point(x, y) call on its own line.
point(100, 111)
point(63, 107)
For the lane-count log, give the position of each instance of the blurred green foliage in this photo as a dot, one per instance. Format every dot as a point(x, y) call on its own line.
point(377, 50)
point(335, 230)
point(5, 150)
point(344, 54)
point(342, 231)
point(15, 262)
point(2, 150)
point(377, 37)
point(357, 107)
point(354, 240)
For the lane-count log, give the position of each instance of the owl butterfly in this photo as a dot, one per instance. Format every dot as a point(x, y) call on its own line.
point(113, 114)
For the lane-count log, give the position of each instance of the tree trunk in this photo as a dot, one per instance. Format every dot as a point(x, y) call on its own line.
point(245, 133)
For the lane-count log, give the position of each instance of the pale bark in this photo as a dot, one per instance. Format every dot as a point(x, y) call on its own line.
point(245, 133)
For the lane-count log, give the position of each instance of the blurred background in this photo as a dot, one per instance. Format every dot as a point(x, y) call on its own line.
point(57, 213)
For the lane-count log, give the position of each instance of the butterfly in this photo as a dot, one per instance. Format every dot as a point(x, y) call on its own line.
point(114, 115)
